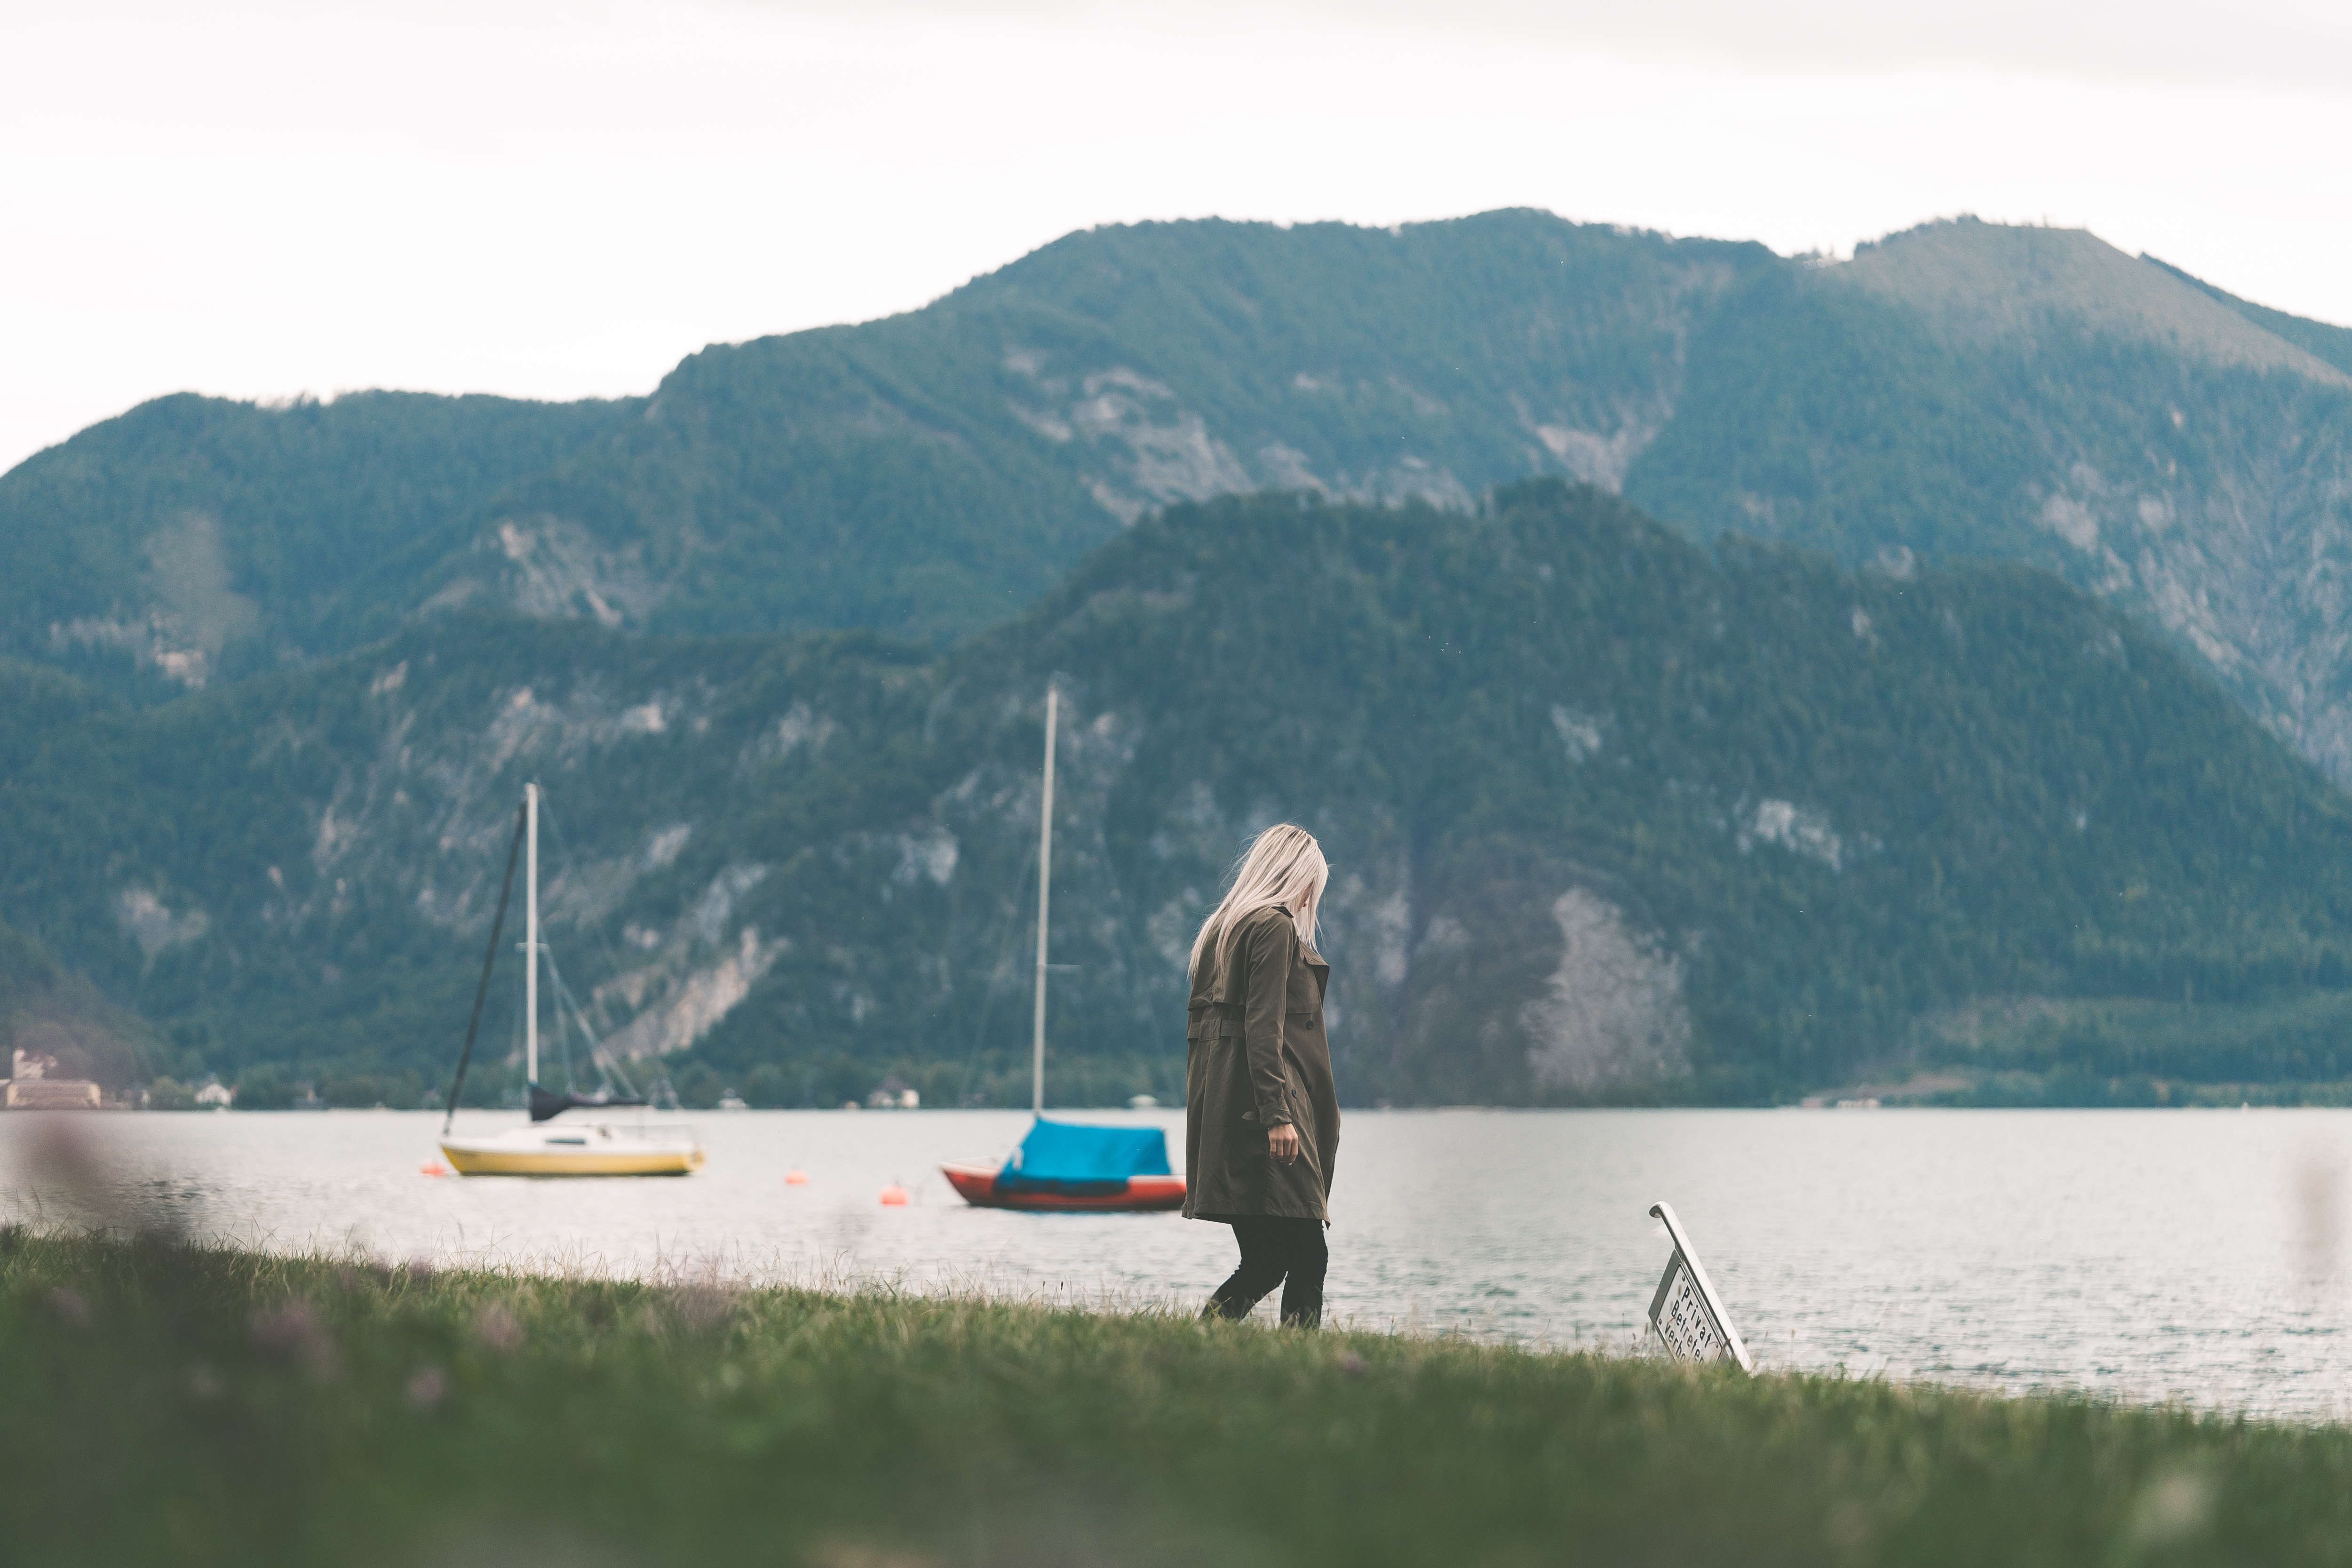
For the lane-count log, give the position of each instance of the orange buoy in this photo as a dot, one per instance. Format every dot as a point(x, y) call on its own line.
point(431, 1171)
point(796, 1178)
point(895, 1195)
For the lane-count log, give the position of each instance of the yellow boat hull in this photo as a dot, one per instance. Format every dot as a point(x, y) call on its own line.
point(505, 1163)
point(598, 1151)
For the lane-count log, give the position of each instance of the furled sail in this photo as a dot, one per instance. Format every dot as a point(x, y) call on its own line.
point(545, 1105)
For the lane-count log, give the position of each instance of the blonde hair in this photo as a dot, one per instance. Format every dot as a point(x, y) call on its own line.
point(1279, 865)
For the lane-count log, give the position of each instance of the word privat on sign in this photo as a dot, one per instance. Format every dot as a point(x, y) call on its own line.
point(1689, 1317)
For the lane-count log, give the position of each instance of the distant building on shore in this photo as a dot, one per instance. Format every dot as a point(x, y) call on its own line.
point(215, 1094)
point(894, 1094)
point(31, 1086)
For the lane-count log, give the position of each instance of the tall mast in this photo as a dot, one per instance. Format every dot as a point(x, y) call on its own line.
point(1045, 888)
point(530, 940)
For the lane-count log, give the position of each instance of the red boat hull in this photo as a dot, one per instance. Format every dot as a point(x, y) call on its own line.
point(978, 1185)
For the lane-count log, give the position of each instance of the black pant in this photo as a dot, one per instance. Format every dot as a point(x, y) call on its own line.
point(1276, 1250)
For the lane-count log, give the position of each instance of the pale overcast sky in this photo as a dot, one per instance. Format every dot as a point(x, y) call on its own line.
point(264, 199)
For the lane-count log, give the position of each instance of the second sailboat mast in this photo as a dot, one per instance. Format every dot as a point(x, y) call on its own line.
point(1045, 887)
point(531, 944)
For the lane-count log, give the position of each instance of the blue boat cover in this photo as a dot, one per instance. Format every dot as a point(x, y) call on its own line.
point(1065, 1157)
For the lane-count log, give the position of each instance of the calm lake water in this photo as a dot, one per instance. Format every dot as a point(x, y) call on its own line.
point(2198, 1256)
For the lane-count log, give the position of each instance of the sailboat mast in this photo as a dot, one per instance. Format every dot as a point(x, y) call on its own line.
point(1045, 888)
point(530, 940)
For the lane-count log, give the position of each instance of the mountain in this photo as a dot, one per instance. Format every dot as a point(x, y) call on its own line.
point(2331, 345)
point(1966, 390)
point(928, 474)
point(1961, 391)
point(1614, 817)
point(196, 538)
point(46, 1009)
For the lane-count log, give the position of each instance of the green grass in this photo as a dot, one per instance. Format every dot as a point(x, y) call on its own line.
point(166, 1404)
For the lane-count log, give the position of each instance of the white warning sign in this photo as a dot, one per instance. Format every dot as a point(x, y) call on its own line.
point(1687, 1315)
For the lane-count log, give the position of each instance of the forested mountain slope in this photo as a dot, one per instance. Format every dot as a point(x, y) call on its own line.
point(194, 538)
point(1969, 390)
point(1962, 390)
point(1614, 816)
point(2323, 342)
point(927, 474)
point(47, 1010)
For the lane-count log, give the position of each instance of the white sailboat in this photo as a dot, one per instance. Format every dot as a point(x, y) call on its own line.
point(542, 1146)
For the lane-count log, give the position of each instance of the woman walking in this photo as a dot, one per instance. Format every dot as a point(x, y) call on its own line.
point(1261, 1120)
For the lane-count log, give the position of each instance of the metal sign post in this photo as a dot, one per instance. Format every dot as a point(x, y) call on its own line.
point(1687, 1314)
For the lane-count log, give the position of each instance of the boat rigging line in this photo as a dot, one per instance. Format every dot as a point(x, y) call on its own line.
point(607, 1069)
point(489, 956)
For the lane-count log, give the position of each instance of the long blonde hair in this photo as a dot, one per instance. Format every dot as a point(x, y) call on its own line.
point(1279, 865)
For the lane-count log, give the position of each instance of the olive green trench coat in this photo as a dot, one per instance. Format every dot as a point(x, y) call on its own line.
point(1256, 1058)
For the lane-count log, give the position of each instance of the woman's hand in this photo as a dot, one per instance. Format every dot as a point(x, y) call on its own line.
point(1282, 1143)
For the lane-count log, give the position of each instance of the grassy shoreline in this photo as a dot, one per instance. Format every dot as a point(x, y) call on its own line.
point(170, 1403)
